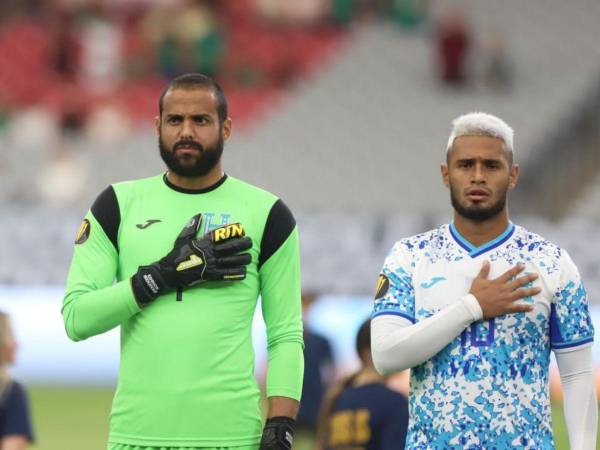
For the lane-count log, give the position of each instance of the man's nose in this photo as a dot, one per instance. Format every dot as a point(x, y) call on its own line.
point(187, 130)
point(478, 174)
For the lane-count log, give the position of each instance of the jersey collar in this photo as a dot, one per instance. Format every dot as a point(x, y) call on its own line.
point(194, 191)
point(476, 251)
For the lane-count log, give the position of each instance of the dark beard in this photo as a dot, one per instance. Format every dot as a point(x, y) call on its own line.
point(477, 213)
point(205, 162)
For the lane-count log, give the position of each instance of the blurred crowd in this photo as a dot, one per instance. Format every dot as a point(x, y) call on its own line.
point(91, 59)
point(78, 74)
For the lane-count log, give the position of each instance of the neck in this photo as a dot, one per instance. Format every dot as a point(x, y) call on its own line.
point(478, 233)
point(367, 375)
point(201, 182)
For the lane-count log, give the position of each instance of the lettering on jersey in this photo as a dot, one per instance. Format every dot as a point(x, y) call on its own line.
point(193, 261)
point(383, 284)
point(479, 334)
point(349, 427)
point(227, 232)
point(84, 232)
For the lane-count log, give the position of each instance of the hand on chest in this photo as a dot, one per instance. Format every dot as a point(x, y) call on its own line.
point(441, 283)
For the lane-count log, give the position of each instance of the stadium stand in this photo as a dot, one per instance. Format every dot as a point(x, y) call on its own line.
point(352, 142)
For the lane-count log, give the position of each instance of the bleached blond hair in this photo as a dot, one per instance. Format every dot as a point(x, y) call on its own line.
point(481, 124)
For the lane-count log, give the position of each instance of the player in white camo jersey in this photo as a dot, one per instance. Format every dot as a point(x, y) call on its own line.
point(474, 307)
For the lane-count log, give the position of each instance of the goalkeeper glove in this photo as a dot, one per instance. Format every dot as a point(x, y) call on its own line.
point(213, 257)
point(278, 434)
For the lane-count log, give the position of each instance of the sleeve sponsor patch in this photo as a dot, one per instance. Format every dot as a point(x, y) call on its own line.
point(84, 232)
point(383, 284)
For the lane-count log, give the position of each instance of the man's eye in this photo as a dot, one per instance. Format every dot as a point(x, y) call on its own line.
point(173, 120)
point(201, 120)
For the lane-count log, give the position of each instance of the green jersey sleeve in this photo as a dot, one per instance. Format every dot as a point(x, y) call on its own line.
point(279, 269)
point(93, 304)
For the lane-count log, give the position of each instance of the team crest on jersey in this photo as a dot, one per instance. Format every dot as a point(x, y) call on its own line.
point(383, 285)
point(84, 232)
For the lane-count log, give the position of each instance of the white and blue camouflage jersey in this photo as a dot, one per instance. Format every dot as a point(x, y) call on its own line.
point(488, 388)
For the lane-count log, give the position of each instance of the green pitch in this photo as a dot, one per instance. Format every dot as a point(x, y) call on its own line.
point(76, 419)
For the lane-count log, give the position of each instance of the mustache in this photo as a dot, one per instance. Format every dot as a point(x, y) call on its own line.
point(189, 144)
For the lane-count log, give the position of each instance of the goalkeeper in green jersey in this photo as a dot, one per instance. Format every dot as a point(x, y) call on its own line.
point(178, 260)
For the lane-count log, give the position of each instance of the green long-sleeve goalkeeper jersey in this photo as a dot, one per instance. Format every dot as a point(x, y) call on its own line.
point(187, 364)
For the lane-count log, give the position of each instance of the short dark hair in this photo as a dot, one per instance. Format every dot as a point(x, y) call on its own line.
point(363, 338)
point(197, 81)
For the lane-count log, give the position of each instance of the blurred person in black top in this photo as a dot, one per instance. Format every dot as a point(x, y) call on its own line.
point(15, 426)
point(318, 371)
point(362, 413)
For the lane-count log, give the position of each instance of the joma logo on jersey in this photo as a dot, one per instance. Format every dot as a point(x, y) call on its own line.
point(194, 261)
point(432, 282)
point(230, 231)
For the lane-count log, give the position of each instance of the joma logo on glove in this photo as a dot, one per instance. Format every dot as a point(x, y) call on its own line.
point(229, 231)
point(192, 262)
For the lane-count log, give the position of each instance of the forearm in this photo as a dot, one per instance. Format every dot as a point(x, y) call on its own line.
point(397, 344)
point(283, 406)
point(88, 313)
point(579, 393)
point(285, 370)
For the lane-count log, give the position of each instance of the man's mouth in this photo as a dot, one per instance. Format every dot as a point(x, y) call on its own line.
point(187, 148)
point(477, 195)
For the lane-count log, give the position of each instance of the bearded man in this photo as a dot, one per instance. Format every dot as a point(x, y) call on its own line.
point(474, 308)
point(178, 261)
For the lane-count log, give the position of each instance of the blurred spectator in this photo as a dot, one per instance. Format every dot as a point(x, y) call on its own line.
point(299, 13)
point(361, 411)
point(498, 66)
point(101, 39)
point(108, 124)
point(188, 37)
point(15, 425)
point(453, 43)
point(409, 13)
point(318, 371)
point(63, 179)
point(65, 48)
point(343, 11)
point(33, 130)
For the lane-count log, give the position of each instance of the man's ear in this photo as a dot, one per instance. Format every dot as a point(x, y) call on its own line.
point(227, 125)
point(513, 177)
point(445, 175)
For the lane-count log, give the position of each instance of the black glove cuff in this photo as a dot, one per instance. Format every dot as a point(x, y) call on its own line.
point(278, 434)
point(147, 284)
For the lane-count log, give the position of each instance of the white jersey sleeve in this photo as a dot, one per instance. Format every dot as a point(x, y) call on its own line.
point(570, 320)
point(395, 293)
point(397, 344)
point(580, 406)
